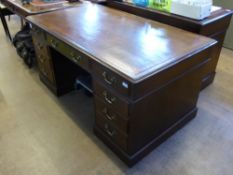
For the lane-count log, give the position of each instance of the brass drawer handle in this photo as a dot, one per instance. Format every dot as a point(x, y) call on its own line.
point(72, 55)
point(108, 99)
point(107, 79)
point(77, 58)
point(107, 115)
point(108, 131)
point(54, 43)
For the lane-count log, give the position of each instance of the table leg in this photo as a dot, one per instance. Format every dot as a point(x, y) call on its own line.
point(5, 26)
point(22, 22)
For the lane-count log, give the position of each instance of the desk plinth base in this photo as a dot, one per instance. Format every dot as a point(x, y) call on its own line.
point(131, 160)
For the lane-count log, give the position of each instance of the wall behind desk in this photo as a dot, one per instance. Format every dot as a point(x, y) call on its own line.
point(229, 37)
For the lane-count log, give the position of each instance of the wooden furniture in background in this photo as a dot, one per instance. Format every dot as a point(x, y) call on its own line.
point(23, 10)
point(215, 26)
point(145, 75)
point(228, 42)
point(4, 12)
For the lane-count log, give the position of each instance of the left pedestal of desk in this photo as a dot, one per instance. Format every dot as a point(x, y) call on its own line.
point(56, 73)
point(44, 61)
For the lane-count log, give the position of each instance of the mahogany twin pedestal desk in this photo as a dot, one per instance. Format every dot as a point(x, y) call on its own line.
point(145, 75)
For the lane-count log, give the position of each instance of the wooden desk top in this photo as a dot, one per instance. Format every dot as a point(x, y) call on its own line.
point(132, 46)
point(27, 9)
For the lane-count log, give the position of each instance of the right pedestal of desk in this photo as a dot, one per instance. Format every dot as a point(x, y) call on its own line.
point(134, 118)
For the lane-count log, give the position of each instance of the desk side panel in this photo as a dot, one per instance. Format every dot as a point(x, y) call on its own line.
point(156, 116)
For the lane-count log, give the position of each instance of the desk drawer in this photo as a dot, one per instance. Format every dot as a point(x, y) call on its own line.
point(112, 133)
point(46, 68)
point(111, 79)
point(45, 71)
point(102, 111)
point(111, 99)
point(73, 54)
point(42, 54)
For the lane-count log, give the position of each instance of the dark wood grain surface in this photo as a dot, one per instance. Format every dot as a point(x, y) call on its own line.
point(133, 46)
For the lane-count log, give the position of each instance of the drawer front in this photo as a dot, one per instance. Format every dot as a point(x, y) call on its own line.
point(45, 71)
point(73, 54)
point(111, 79)
point(102, 111)
point(43, 57)
point(46, 68)
point(112, 133)
point(110, 99)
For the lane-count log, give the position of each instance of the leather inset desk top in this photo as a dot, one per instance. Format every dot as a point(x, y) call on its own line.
point(129, 45)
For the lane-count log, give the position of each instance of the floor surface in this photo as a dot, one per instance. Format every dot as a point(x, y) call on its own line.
point(44, 135)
